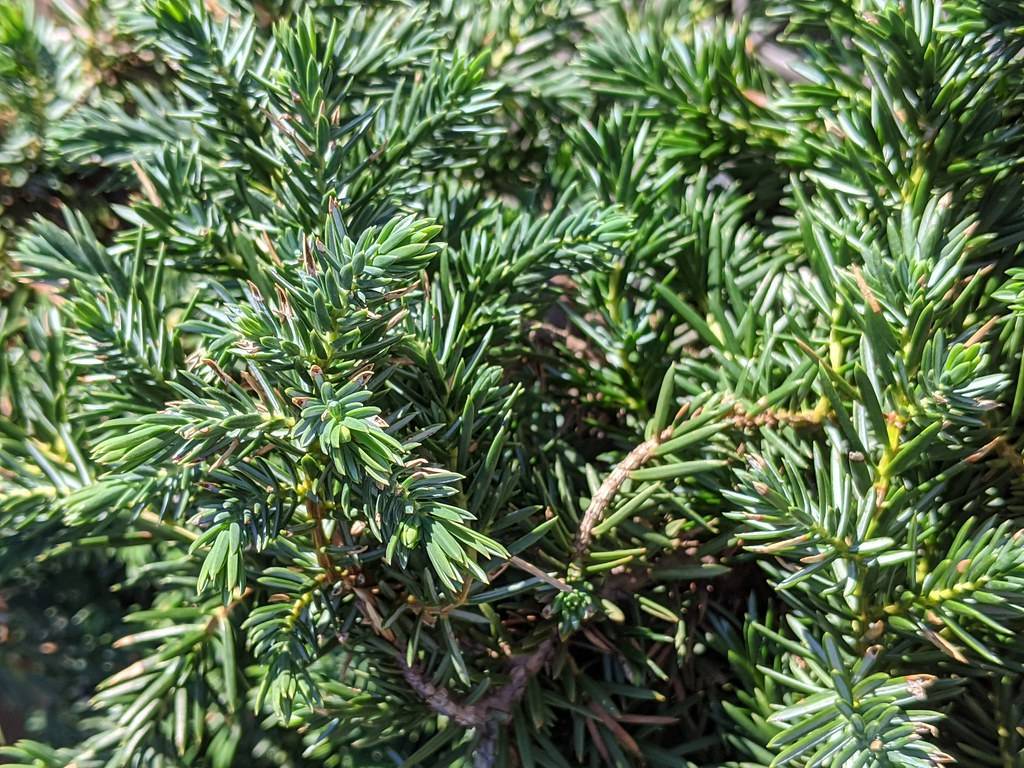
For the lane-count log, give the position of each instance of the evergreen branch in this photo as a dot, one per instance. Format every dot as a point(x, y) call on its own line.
point(347, 312)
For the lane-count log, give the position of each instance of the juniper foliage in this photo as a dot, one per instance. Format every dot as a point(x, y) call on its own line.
point(519, 384)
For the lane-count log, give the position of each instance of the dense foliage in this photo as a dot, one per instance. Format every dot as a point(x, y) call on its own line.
point(521, 384)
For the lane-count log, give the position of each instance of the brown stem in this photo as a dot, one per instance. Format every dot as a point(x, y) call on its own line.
point(1001, 447)
point(480, 713)
point(439, 698)
point(610, 487)
point(316, 513)
point(774, 417)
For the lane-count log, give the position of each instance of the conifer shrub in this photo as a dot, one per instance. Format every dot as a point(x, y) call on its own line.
point(517, 384)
